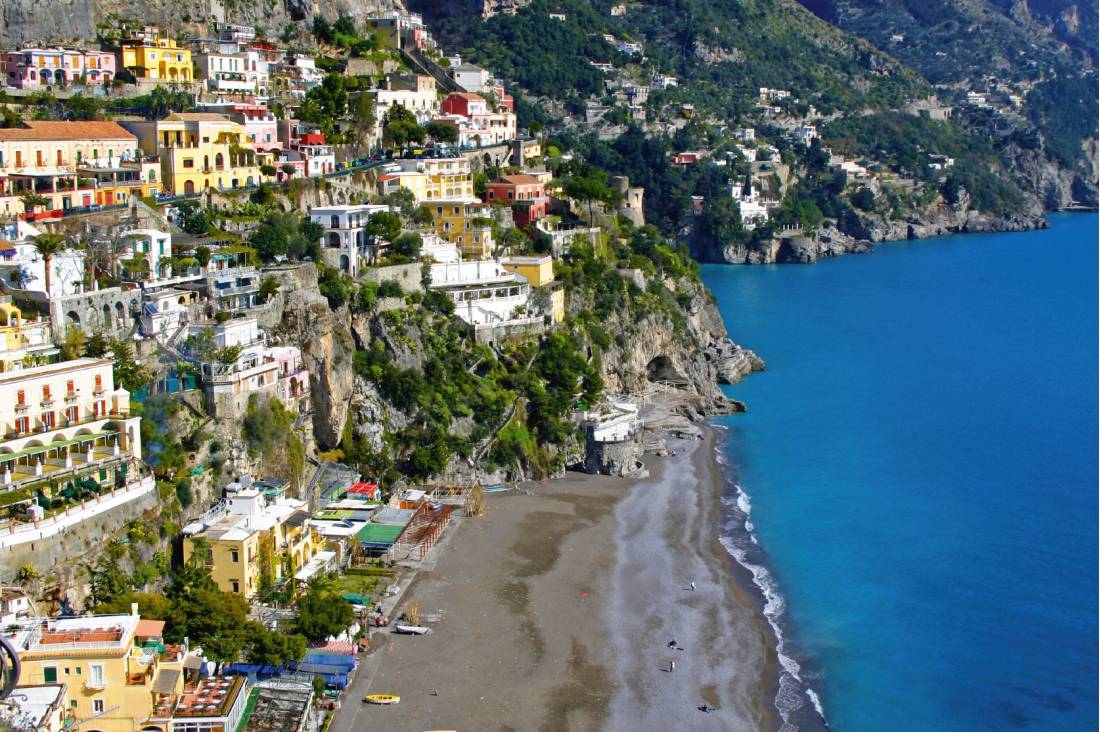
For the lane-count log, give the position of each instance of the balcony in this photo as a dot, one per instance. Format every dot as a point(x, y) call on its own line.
point(72, 397)
point(21, 408)
point(47, 402)
point(95, 685)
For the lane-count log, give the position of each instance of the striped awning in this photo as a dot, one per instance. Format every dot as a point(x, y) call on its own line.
point(82, 439)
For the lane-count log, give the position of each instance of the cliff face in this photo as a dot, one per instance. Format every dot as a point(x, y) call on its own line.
point(938, 220)
point(26, 21)
point(654, 349)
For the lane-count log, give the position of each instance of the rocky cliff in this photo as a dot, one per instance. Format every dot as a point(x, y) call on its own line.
point(80, 21)
point(859, 238)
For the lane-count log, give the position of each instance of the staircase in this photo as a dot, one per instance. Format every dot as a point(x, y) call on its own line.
point(424, 65)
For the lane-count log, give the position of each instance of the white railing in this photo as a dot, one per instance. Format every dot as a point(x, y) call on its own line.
point(23, 533)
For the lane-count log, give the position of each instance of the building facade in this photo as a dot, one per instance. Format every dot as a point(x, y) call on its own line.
point(152, 54)
point(200, 150)
point(32, 68)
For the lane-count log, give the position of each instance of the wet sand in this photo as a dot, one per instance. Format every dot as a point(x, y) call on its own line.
point(556, 608)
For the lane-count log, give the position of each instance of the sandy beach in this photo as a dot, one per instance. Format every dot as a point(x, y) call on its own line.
point(555, 610)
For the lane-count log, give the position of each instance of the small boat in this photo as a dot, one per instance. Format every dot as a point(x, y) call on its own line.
point(381, 698)
point(412, 629)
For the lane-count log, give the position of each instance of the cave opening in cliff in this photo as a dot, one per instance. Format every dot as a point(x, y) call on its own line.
point(661, 369)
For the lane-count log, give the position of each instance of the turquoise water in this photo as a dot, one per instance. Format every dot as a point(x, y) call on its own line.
point(921, 458)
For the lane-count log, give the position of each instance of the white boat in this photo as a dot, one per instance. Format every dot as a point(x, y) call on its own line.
point(412, 629)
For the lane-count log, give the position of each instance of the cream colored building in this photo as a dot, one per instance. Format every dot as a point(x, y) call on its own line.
point(57, 160)
point(64, 421)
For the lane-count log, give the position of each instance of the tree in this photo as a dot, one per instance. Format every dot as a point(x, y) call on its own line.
point(407, 245)
point(274, 649)
point(129, 374)
point(288, 169)
point(363, 113)
point(269, 170)
point(441, 132)
point(32, 201)
point(400, 127)
point(322, 30)
point(268, 287)
point(73, 345)
point(323, 613)
point(589, 185)
point(864, 199)
point(384, 225)
point(48, 245)
point(203, 255)
point(720, 222)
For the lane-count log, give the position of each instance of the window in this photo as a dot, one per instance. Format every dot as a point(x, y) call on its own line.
point(189, 162)
point(95, 675)
point(49, 674)
point(70, 388)
point(97, 706)
point(236, 586)
point(72, 414)
point(98, 382)
point(72, 704)
point(45, 392)
point(22, 425)
point(48, 420)
point(21, 398)
point(235, 555)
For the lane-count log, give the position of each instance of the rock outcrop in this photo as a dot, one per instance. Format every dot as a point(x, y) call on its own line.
point(79, 21)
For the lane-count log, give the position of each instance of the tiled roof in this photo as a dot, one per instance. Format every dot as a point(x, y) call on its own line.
point(197, 117)
point(469, 96)
point(53, 130)
point(519, 180)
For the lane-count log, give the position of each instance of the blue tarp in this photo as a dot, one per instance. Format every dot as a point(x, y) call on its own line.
point(331, 659)
point(317, 668)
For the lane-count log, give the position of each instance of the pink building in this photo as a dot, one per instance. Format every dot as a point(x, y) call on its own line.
point(293, 377)
point(38, 67)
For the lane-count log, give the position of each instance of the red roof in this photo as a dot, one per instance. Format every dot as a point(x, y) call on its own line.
point(363, 488)
point(54, 130)
point(149, 629)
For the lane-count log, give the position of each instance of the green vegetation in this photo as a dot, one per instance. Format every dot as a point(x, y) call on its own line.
point(194, 608)
point(1065, 110)
point(286, 235)
point(322, 611)
point(904, 142)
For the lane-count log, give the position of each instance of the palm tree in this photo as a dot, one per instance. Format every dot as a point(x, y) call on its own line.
point(31, 202)
point(48, 245)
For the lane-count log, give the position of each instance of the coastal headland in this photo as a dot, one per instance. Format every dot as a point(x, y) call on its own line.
point(556, 610)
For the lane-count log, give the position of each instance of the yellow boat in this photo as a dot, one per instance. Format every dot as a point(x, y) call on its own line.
point(381, 698)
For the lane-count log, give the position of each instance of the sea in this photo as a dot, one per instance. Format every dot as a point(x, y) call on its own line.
point(914, 485)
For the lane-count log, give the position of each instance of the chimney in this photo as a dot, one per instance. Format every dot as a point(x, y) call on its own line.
point(134, 609)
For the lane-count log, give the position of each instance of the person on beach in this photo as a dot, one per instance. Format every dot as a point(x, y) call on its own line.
point(671, 666)
point(672, 644)
point(693, 585)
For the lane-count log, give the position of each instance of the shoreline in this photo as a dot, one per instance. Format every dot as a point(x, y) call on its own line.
point(543, 623)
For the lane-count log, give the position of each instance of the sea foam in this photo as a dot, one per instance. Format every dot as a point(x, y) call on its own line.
point(792, 693)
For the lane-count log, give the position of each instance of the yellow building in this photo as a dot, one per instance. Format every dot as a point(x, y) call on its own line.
point(465, 225)
point(111, 666)
point(539, 273)
point(200, 150)
point(152, 54)
point(23, 341)
point(250, 534)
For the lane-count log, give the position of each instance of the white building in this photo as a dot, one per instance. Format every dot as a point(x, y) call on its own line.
point(344, 243)
point(804, 134)
point(243, 72)
point(471, 78)
point(164, 312)
point(754, 212)
point(484, 292)
point(437, 249)
point(275, 371)
point(23, 269)
point(156, 248)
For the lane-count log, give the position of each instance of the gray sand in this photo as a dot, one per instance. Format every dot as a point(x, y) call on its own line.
point(557, 607)
point(666, 538)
